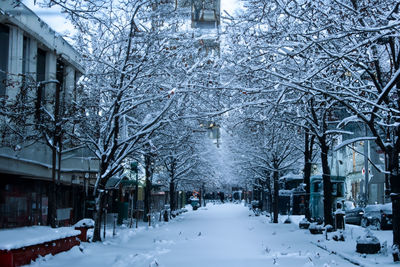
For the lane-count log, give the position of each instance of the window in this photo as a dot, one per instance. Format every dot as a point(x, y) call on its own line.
point(4, 44)
point(60, 74)
point(25, 64)
point(40, 76)
point(317, 186)
point(334, 189)
point(41, 72)
point(25, 55)
point(340, 187)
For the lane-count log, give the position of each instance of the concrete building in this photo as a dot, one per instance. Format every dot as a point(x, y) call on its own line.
point(39, 71)
point(349, 161)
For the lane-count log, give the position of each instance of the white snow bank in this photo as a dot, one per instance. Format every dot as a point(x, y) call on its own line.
point(27, 236)
point(368, 240)
point(85, 223)
point(340, 211)
point(378, 207)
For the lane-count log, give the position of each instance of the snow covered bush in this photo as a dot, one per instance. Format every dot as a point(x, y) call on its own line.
point(304, 224)
point(316, 228)
point(88, 223)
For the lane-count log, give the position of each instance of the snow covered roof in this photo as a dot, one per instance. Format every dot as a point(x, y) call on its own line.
point(291, 176)
point(318, 177)
point(115, 181)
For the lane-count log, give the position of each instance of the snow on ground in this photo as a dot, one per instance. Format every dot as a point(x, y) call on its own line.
point(26, 236)
point(218, 236)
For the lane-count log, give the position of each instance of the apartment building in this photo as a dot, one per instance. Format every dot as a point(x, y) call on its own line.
point(350, 161)
point(39, 71)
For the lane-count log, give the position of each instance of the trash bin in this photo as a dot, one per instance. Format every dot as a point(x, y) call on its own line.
point(339, 219)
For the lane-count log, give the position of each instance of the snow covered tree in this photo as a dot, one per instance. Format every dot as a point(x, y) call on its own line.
point(126, 91)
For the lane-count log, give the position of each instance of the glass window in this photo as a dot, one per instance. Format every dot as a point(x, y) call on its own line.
point(41, 72)
point(316, 187)
point(340, 189)
point(25, 55)
point(4, 44)
point(334, 189)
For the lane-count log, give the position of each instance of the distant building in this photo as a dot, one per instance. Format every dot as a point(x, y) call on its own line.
point(31, 52)
point(206, 14)
point(206, 20)
point(349, 161)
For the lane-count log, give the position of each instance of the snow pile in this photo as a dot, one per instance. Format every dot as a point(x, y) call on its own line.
point(340, 211)
point(85, 223)
point(315, 226)
point(368, 238)
point(27, 236)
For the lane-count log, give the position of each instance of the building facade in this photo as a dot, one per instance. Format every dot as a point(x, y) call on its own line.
point(39, 71)
point(362, 163)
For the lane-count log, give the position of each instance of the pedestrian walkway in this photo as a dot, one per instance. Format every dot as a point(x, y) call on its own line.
point(215, 236)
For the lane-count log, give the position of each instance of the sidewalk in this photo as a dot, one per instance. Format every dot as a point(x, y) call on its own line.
point(220, 235)
point(347, 249)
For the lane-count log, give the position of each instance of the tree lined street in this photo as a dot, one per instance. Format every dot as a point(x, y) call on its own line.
point(291, 107)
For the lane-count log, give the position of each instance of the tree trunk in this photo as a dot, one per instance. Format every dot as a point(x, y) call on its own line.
point(326, 178)
point(308, 144)
point(52, 216)
point(147, 190)
point(394, 176)
point(51, 219)
point(276, 196)
point(98, 217)
point(270, 199)
point(100, 201)
point(201, 197)
point(172, 195)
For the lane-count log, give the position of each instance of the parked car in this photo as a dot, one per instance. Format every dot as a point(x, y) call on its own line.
point(354, 216)
point(379, 216)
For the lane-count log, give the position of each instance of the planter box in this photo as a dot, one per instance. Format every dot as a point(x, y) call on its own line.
point(83, 236)
point(24, 255)
point(369, 248)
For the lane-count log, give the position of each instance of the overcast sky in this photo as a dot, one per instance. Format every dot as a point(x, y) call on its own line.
point(52, 16)
point(58, 22)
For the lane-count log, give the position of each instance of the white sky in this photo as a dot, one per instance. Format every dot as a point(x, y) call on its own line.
point(58, 21)
point(53, 17)
point(230, 6)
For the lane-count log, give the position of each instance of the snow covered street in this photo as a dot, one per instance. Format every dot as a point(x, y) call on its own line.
point(218, 235)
